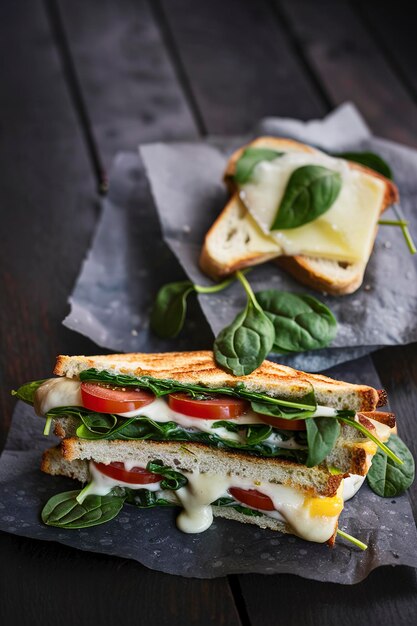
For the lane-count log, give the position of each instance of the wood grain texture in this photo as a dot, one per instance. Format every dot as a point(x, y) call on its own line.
point(73, 587)
point(240, 63)
point(351, 66)
point(128, 82)
point(394, 33)
point(385, 597)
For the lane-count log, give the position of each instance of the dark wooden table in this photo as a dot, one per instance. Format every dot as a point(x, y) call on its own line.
point(81, 80)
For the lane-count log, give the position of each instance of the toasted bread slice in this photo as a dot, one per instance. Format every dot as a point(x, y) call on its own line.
point(235, 240)
point(199, 368)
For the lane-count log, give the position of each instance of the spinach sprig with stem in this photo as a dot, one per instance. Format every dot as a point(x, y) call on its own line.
point(170, 307)
point(242, 346)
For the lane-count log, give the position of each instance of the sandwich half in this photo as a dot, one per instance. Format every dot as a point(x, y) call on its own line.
point(278, 448)
point(328, 253)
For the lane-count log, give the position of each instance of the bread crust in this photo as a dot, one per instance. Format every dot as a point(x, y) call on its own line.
point(199, 367)
point(302, 268)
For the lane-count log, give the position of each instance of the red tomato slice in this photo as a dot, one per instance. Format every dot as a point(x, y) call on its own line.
point(252, 498)
point(283, 424)
point(219, 408)
point(137, 475)
point(113, 399)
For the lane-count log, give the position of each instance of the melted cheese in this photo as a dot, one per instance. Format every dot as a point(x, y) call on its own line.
point(312, 518)
point(57, 392)
point(344, 233)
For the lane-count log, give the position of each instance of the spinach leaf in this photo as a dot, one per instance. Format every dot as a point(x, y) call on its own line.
point(172, 480)
point(99, 423)
point(249, 159)
point(369, 159)
point(64, 511)
point(230, 426)
point(310, 192)
point(145, 499)
point(242, 347)
point(385, 477)
point(308, 403)
point(170, 306)
point(27, 391)
point(322, 433)
point(301, 322)
point(257, 433)
point(168, 313)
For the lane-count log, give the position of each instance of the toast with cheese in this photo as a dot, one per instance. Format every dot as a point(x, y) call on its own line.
point(236, 241)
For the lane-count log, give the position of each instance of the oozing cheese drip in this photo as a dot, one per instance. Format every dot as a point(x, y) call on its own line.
point(311, 518)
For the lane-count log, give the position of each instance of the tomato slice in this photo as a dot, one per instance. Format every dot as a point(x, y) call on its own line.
point(104, 399)
point(219, 408)
point(137, 475)
point(252, 498)
point(283, 424)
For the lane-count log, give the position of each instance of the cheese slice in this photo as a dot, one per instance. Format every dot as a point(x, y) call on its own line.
point(344, 233)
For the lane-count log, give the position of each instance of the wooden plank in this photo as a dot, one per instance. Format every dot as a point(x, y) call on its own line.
point(102, 590)
point(387, 596)
point(350, 65)
point(128, 83)
point(47, 200)
point(395, 34)
point(240, 63)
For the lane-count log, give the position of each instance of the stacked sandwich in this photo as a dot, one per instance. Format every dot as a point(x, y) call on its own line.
point(278, 448)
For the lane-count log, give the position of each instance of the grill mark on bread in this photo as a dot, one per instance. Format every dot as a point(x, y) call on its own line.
point(200, 368)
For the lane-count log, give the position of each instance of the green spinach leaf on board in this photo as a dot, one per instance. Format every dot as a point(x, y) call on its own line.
point(243, 346)
point(322, 434)
point(249, 160)
point(369, 159)
point(170, 307)
point(385, 477)
point(301, 322)
point(310, 192)
point(64, 511)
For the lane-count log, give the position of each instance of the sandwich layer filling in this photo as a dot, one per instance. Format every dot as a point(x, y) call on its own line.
point(311, 518)
point(230, 423)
